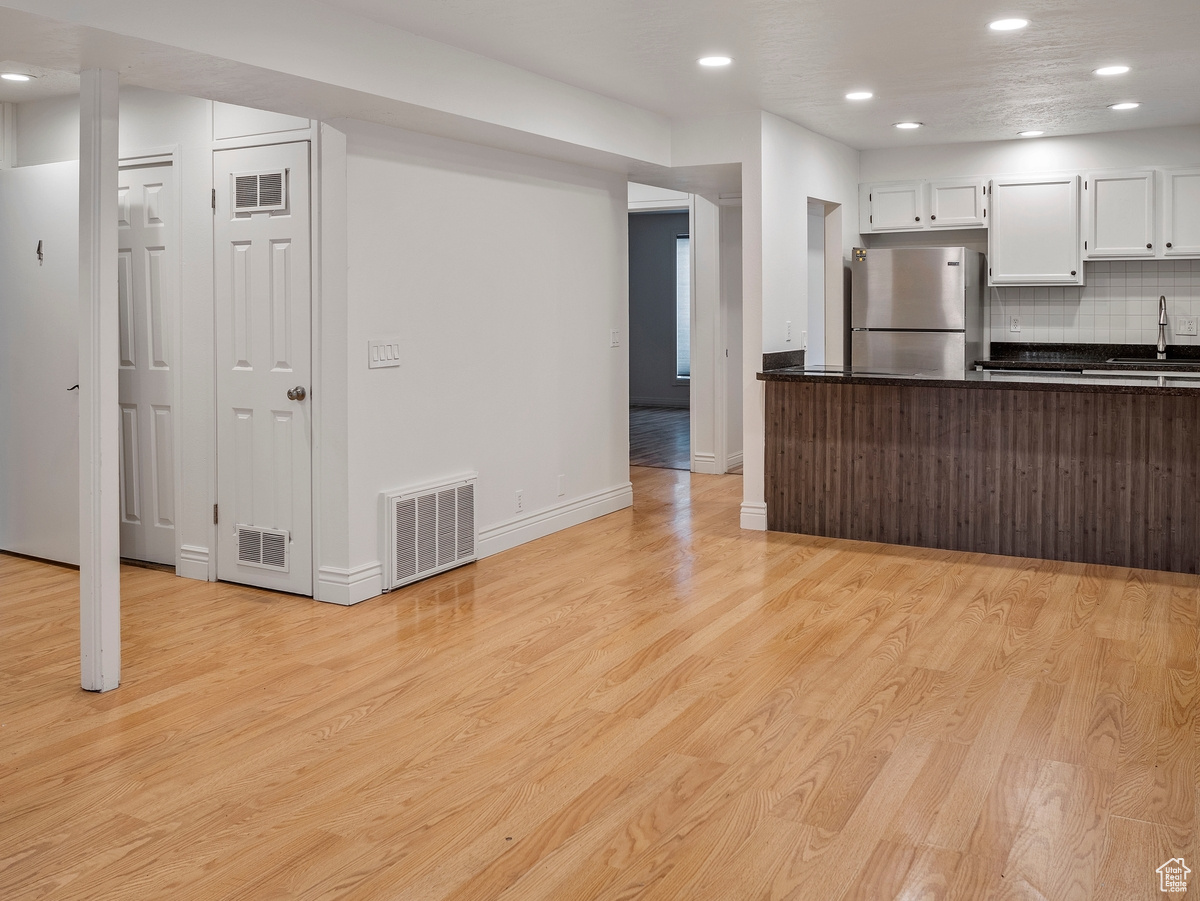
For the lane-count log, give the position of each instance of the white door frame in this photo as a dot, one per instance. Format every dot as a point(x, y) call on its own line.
point(707, 393)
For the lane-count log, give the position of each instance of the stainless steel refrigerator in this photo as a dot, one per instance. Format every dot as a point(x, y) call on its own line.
point(917, 309)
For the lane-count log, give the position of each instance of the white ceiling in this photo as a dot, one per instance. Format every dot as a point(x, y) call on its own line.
point(46, 83)
point(933, 61)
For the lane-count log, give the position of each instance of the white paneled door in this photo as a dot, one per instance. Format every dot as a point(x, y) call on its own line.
point(261, 241)
point(147, 245)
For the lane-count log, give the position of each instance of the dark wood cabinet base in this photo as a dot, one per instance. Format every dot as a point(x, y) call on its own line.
point(1087, 477)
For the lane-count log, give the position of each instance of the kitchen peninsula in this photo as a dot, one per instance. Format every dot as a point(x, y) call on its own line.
point(1093, 468)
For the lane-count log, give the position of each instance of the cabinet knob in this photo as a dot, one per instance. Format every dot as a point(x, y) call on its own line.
point(1168, 245)
point(1149, 246)
point(931, 218)
point(1072, 271)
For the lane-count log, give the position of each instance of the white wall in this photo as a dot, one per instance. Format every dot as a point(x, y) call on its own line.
point(39, 417)
point(815, 352)
point(1118, 149)
point(503, 275)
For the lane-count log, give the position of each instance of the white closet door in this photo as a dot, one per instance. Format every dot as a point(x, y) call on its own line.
point(147, 247)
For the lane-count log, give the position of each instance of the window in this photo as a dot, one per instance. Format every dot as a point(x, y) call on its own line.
point(683, 307)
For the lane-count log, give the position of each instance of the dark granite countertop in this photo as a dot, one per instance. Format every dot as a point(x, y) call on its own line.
point(1036, 367)
point(1119, 382)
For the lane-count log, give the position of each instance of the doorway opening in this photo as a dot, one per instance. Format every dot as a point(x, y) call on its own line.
point(660, 334)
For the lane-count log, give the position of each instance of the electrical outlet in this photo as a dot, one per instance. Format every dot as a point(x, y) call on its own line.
point(520, 500)
point(614, 338)
point(562, 485)
point(1185, 325)
point(787, 329)
point(1014, 323)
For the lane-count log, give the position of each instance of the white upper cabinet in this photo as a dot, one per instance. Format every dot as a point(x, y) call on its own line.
point(957, 203)
point(1181, 212)
point(1120, 214)
point(1033, 234)
point(921, 205)
point(892, 206)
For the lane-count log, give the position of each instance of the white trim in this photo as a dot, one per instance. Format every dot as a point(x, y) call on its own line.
point(754, 517)
point(193, 563)
point(705, 463)
point(540, 523)
point(349, 586)
point(733, 463)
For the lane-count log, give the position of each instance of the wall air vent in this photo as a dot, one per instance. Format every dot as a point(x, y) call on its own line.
point(264, 548)
point(428, 530)
point(256, 192)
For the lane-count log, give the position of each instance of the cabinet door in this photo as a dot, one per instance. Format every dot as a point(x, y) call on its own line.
point(1033, 238)
point(1181, 212)
point(896, 207)
point(1120, 208)
point(957, 203)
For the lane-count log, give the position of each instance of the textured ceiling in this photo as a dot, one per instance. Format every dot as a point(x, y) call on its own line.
point(46, 83)
point(934, 61)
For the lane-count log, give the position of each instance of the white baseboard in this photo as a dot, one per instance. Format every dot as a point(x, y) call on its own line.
point(733, 463)
point(193, 563)
point(349, 586)
point(754, 517)
point(517, 531)
point(705, 463)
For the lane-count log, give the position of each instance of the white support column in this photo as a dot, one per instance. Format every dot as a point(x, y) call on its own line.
point(99, 477)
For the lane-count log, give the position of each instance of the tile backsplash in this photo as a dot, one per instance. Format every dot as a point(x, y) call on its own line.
point(1117, 305)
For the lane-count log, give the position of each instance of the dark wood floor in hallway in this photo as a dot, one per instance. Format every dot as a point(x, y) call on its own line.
point(660, 437)
point(653, 705)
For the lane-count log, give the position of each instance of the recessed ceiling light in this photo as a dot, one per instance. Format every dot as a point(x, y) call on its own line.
point(1008, 24)
point(1030, 134)
point(859, 95)
point(1127, 105)
point(714, 61)
point(1111, 70)
point(909, 124)
point(16, 76)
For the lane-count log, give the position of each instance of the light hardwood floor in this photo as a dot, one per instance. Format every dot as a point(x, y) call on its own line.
point(653, 705)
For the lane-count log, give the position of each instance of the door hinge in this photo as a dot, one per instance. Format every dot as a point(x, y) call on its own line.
point(871, 219)
point(989, 270)
point(985, 214)
point(1085, 245)
point(214, 199)
point(1085, 185)
point(214, 514)
point(870, 197)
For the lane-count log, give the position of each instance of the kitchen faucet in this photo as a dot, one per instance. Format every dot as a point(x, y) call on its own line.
point(1162, 327)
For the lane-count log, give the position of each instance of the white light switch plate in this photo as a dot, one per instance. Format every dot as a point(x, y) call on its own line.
point(383, 352)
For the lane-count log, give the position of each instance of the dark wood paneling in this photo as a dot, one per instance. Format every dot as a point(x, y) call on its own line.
point(1091, 478)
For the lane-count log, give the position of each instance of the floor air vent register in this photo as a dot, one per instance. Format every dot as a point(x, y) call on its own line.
point(264, 548)
point(429, 530)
